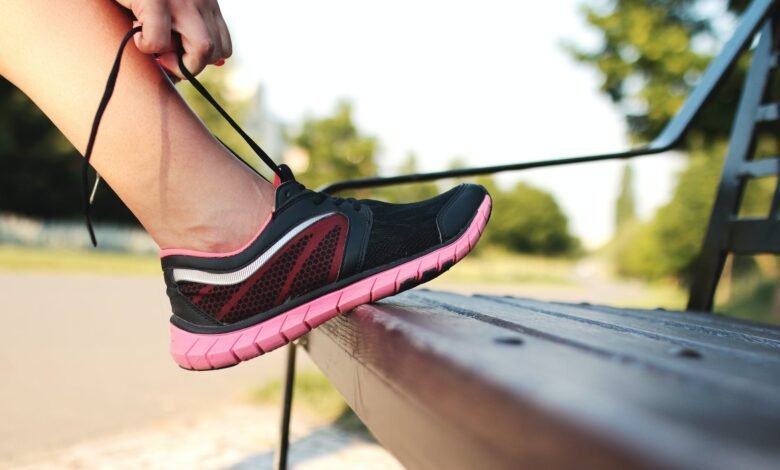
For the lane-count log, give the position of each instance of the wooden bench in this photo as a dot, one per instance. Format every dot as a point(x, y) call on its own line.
point(449, 381)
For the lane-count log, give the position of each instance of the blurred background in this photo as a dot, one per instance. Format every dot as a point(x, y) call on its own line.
point(345, 89)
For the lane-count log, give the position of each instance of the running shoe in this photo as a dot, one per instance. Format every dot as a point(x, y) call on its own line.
point(316, 256)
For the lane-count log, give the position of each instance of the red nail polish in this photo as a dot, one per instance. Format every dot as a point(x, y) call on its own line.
point(161, 64)
point(220, 62)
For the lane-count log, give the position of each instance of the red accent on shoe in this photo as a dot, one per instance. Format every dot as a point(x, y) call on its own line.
point(310, 260)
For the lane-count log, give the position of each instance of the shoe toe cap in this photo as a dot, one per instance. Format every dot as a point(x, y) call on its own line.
point(459, 210)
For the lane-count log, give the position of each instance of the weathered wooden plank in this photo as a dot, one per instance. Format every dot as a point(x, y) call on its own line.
point(756, 380)
point(448, 389)
point(714, 320)
point(699, 335)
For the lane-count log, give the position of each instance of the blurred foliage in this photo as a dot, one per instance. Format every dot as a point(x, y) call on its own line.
point(333, 149)
point(528, 220)
point(649, 63)
point(238, 107)
point(625, 207)
point(651, 55)
point(670, 242)
point(752, 299)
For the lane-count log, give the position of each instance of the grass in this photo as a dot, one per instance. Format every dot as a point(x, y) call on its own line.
point(488, 266)
point(314, 393)
point(34, 259)
point(754, 302)
point(657, 295)
point(492, 265)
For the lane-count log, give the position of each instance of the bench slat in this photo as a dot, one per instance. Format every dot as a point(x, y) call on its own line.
point(749, 376)
point(716, 320)
point(730, 339)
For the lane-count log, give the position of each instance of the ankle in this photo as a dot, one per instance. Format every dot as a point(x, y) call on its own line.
point(226, 227)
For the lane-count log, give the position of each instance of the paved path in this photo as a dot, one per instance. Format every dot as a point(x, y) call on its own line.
point(84, 356)
point(230, 437)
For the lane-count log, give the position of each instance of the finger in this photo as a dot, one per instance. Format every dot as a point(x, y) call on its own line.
point(213, 29)
point(224, 34)
point(199, 47)
point(155, 36)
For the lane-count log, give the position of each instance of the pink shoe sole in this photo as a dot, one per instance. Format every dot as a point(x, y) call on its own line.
point(195, 351)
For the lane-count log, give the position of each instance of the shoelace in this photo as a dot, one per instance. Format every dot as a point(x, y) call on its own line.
point(282, 171)
point(319, 198)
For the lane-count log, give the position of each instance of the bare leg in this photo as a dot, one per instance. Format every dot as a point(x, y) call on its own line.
point(183, 186)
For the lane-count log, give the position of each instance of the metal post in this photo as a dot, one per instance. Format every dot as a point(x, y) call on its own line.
point(284, 430)
point(719, 239)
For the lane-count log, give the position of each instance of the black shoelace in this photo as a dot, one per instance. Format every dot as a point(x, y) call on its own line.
point(281, 171)
point(319, 198)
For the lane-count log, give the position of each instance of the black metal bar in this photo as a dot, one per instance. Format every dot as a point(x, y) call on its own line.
point(761, 168)
point(754, 236)
point(730, 190)
point(774, 209)
point(375, 182)
point(768, 113)
point(284, 431)
point(670, 136)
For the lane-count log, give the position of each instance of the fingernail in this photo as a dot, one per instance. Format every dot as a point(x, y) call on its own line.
point(220, 62)
point(159, 61)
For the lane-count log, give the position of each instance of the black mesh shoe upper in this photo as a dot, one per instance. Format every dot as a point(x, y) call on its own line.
point(399, 231)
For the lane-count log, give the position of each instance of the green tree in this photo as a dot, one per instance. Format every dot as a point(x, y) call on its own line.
point(529, 220)
point(524, 219)
point(335, 148)
point(649, 61)
point(625, 207)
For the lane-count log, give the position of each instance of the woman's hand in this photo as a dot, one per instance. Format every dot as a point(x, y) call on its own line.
point(204, 34)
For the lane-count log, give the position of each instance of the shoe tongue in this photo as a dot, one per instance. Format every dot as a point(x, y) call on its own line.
point(286, 173)
point(284, 191)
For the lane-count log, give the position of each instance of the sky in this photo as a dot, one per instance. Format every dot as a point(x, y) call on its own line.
point(486, 82)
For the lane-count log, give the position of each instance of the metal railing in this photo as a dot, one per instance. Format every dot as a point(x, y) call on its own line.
point(669, 138)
